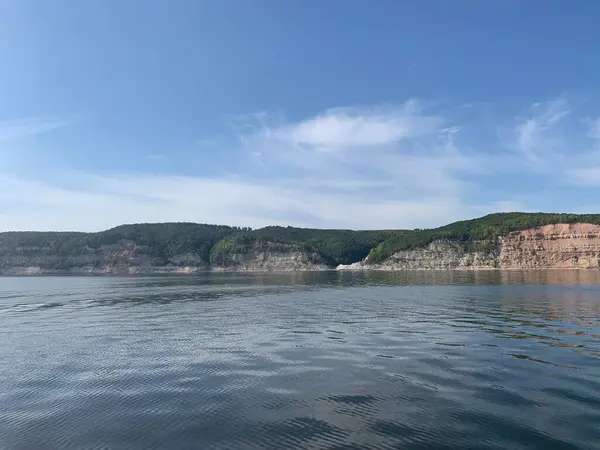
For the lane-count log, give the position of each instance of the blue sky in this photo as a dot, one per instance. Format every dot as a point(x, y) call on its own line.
point(361, 114)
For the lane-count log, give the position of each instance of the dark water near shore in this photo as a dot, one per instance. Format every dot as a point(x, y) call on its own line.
point(482, 360)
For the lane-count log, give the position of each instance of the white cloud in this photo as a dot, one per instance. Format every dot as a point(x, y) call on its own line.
point(103, 202)
point(535, 136)
point(392, 167)
point(585, 170)
point(413, 153)
point(594, 129)
point(22, 128)
point(407, 180)
point(587, 176)
point(348, 128)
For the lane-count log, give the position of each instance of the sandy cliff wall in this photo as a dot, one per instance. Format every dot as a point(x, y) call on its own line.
point(552, 246)
point(127, 257)
point(437, 255)
point(293, 260)
point(124, 257)
point(250, 254)
point(574, 246)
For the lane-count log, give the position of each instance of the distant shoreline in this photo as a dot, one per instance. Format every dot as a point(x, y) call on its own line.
point(280, 271)
point(513, 241)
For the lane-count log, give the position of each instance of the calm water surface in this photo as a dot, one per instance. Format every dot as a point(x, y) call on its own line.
point(505, 360)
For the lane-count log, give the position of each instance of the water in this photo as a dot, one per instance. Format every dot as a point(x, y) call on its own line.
point(506, 360)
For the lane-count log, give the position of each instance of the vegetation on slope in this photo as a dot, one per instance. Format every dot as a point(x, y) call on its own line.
point(213, 243)
point(241, 244)
point(216, 244)
point(476, 234)
point(163, 240)
point(334, 246)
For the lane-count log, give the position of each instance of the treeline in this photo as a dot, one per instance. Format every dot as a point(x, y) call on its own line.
point(161, 240)
point(213, 243)
point(333, 246)
point(222, 254)
point(476, 234)
point(216, 244)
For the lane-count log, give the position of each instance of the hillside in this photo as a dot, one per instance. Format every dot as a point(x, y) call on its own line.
point(123, 246)
point(335, 246)
point(143, 247)
point(475, 234)
point(497, 240)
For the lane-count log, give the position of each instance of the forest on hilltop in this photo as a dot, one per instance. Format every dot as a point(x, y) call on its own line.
point(161, 240)
point(476, 234)
point(215, 243)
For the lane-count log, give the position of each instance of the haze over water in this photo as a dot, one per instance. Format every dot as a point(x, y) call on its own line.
point(327, 360)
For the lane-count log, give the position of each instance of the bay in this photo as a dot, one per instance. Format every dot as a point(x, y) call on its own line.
point(318, 360)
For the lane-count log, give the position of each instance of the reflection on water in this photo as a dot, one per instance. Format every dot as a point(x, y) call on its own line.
point(329, 360)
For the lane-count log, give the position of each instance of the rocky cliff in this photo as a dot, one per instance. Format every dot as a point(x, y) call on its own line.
point(181, 248)
point(249, 254)
point(506, 241)
point(135, 248)
point(437, 255)
point(127, 257)
point(573, 246)
point(293, 260)
point(561, 246)
point(120, 258)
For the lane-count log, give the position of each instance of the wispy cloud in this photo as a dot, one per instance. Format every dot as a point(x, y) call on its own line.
point(103, 202)
point(306, 173)
point(535, 136)
point(584, 170)
point(396, 142)
point(23, 128)
point(350, 128)
point(594, 129)
point(408, 166)
point(588, 176)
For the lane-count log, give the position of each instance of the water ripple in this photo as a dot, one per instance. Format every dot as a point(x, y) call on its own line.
point(302, 361)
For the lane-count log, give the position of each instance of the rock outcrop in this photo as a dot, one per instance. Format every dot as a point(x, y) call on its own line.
point(127, 257)
point(560, 246)
point(268, 256)
point(124, 257)
point(437, 255)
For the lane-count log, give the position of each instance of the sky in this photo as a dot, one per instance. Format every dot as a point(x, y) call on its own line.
point(332, 114)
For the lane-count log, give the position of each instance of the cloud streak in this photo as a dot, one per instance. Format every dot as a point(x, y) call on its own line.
point(594, 129)
point(104, 202)
point(24, 128)
point(406, 166)
point(404, 148)
point(535, 135)
point(346, 168)
point(352, 128)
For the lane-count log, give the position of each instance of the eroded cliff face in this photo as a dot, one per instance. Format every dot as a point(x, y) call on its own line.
point(127, 257)
point(122, 258)
point(560, 246)
point(270, 260)
point(437, 255)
